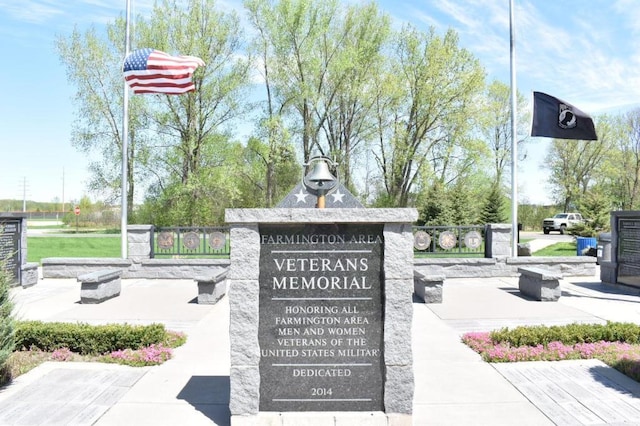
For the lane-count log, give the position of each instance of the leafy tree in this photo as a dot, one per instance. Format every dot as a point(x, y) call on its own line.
point(271, 127)
point(204, 197)
point(573, 165)
point(316, 61)
point(190, 131)
point(532, 215)
point(620, 173)
point(349, 93)
point(495, 125)
point(94, 66)
point(425, 99)
point(292, 34)
point(258, 160)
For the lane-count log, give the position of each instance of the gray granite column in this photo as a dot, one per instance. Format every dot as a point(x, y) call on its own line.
point(139, 242)
point(398, 247)
point(29, 271)
point(243, 325)
point(23, 242)
point(244, 293)
point(498, 240)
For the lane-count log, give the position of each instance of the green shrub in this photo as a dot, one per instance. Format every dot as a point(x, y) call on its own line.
point(86, 339)
point(583, 230)
point(7, 322)
point(568, 334)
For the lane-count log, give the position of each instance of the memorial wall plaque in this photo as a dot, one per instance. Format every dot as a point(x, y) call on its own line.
point(629, 251)
point(320, 322)
point(10, 246)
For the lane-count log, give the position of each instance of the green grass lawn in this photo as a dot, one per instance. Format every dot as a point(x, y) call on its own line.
point(558, 249)
point(42, 247)
point(61, 227)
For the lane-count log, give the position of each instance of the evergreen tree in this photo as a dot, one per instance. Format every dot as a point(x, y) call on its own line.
point(436, 210)
point(493, 210)
point(595, 207)
point(7, 322)
point(462, 212)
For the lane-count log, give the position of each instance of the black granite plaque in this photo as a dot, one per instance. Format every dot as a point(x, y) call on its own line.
point(320, 329)
point(629, 251)
point(10, 246)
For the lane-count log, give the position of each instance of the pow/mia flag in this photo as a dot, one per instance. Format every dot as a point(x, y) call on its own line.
point(555, 118)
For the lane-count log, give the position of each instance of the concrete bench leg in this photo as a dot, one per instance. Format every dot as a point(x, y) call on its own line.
point(211, 289)
point(539, 284)
point(29, 274)
point(96, 287)
point(428, 287)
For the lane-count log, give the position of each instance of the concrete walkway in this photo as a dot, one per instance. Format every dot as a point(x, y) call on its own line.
point(453, 385)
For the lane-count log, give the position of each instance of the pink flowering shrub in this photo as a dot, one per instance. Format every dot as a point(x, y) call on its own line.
point(622, 356)
point(153, 354)
point(150, 355)
point(62, 354)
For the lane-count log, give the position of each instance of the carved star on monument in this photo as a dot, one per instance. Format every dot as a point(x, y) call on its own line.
point(338, 196)
point(301, 196)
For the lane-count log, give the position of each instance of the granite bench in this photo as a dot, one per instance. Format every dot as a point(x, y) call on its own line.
point(539, 284)
point(428, 287)
point(101, 285)
point(211, 288)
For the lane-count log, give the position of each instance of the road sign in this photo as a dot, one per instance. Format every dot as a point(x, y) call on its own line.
point(76, 210)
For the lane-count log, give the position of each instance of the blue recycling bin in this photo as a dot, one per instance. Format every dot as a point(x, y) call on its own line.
point(583, 244)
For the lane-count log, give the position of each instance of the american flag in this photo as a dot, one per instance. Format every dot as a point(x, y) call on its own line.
point(152, 71)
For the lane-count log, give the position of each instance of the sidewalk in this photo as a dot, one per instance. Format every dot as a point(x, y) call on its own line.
point(453, 385)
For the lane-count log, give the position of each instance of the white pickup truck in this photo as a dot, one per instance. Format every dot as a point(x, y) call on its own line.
point(561, 222)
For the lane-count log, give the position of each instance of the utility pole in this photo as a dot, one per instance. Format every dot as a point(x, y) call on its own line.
point(24, 194)
point(63, 191)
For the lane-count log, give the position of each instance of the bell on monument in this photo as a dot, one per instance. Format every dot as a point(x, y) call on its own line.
point(320, 174)
point(320, 180)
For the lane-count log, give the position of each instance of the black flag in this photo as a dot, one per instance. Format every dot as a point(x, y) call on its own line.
point(555, 118)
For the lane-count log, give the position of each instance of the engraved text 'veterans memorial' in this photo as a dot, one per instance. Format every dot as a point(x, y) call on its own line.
point(320, 326)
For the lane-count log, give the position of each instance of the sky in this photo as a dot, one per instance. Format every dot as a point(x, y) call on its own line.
point(581, 51)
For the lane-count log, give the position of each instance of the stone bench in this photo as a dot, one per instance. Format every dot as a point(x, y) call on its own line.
point(211, 289)
point(539, 284)
point(98, 286)
point(428, 287)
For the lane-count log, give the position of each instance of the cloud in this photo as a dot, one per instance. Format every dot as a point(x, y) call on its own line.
point(30, 11)
point(483, 28)
point(630, 13)
point(558, 49)
point(68, 12)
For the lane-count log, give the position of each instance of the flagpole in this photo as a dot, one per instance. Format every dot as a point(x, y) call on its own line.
point(514, 142)
point(125, 142)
